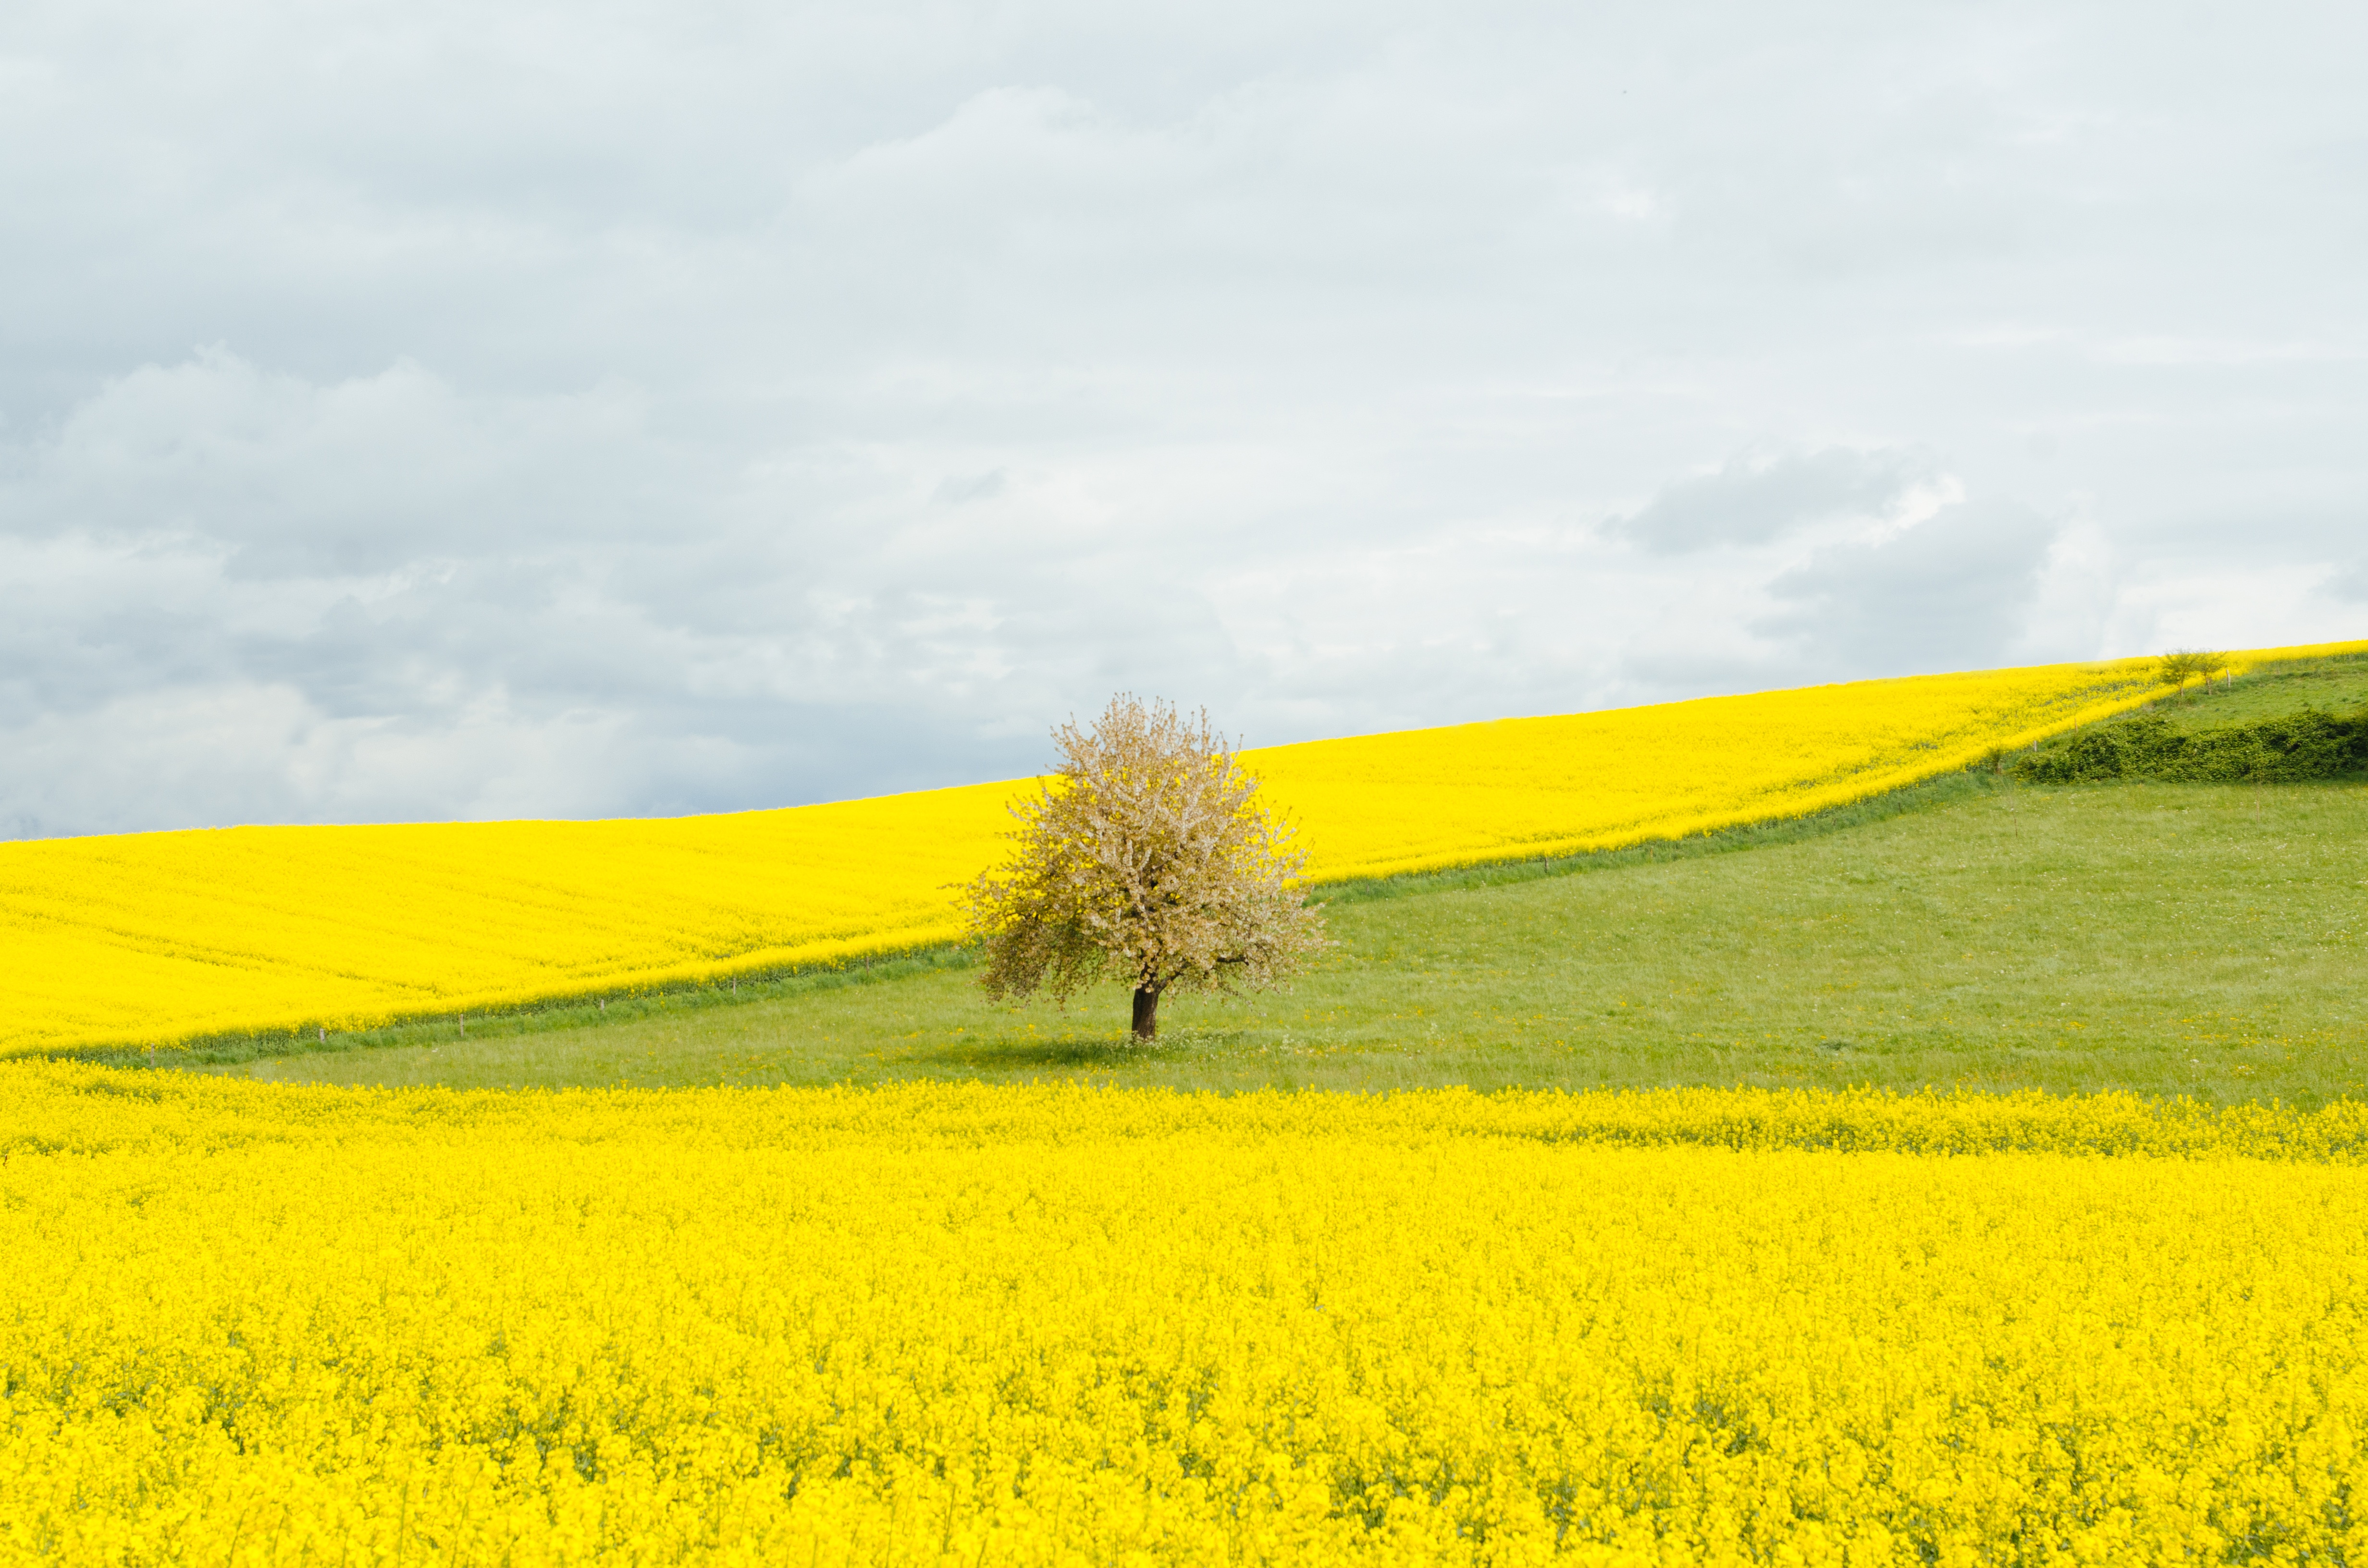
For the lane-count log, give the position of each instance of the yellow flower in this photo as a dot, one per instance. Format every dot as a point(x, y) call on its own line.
point(939, 1322)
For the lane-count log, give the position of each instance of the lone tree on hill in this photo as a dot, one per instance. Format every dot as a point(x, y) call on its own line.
point(1144, 858)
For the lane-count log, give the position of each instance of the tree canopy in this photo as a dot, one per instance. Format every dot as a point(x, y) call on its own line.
point(2178, 667)
point(1143, 858)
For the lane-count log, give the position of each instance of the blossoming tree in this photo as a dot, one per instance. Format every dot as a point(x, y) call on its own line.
point(1143, 858)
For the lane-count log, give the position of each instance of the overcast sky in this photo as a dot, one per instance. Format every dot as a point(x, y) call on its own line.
point(429, 410)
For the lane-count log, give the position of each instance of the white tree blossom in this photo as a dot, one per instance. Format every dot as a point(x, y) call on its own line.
point(1144, 858)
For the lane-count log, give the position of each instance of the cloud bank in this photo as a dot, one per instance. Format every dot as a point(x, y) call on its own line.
point(417, 412)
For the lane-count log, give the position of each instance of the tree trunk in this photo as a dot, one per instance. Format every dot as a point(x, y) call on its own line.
point(1147, 1011)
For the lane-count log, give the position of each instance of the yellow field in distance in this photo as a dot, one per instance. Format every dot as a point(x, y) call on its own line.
point(162, 938)
point(958, 1324)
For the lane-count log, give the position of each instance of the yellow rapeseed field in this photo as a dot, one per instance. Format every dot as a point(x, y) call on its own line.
point(946, 1325)
point(169, 937)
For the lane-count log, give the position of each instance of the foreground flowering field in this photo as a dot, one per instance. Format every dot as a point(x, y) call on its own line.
point(167, 937)
point(959, 1324)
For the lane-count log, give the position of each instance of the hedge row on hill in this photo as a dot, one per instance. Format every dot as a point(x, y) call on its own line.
point(2309, 745)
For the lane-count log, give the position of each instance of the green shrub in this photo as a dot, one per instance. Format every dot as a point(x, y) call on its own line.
point(2297, 747)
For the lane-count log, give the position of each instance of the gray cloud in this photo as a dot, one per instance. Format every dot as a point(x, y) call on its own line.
point(1951, 593)
point(1757, 500)
point(662, 409)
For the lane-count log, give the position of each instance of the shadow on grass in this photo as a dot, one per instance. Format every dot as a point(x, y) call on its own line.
point(1117, 1053)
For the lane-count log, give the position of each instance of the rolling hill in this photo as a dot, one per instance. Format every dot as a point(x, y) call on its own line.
point(167, 938)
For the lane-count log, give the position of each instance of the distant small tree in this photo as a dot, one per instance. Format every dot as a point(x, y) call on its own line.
point(2178, 667)
point(1144, 858)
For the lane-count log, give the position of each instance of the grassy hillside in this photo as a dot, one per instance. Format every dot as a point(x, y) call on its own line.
point(1973, 932)
point(2307, 722)
point(2334, 683)
point(2168, 940)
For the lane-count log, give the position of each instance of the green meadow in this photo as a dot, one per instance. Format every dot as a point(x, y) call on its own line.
point(1974, 933)
point(2331, 684)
